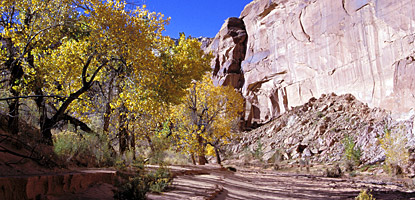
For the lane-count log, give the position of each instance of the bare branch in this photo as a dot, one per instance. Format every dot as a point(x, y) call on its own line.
point(3, 149)
point(96, 72)
point(33, 96)
point(85, 68)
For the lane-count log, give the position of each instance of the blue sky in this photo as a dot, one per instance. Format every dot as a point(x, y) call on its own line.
point(196, 17)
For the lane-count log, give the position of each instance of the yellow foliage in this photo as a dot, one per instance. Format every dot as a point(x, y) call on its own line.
point(394, 145)
point(207, 111)
point(74, 49)
point(365, 195)
point(210, 150)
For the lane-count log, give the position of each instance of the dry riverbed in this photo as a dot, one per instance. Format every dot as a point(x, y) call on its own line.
point(213, 182)
point(250, 183)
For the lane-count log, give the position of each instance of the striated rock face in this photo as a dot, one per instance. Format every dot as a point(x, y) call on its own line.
point(298, 49)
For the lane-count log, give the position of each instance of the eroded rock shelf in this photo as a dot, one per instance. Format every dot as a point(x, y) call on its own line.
point(40, 186)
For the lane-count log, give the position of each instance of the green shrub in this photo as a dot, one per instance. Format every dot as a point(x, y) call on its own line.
point(258, 153)
point(365, 195)
point(157, 149)
point(334, 172)
point(157, 156)
point(138, 186)
point(135, 188)
point(175, 158)
point(160, 180)
point(86, 148)
point(352, 153)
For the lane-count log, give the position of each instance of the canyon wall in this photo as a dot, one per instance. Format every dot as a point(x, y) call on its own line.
point(280, 53)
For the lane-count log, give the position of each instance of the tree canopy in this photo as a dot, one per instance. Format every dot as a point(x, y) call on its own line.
point(74, 55)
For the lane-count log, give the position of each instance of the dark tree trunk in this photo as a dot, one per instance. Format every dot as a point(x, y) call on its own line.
point(43, 118)
point(201, 151)
point(217, 152)
point(107, 114)
point(122, 132)
point(107, 118)
point(122, 139)
point(47, 132)
point(13, 64)
point(13, 122)
point(60, 114)
point(132, 144)
point(192, 156)
point(202, 159)
point(16, 74)
point(40, 102)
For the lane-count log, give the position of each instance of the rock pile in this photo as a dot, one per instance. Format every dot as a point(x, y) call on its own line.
point(316, 130)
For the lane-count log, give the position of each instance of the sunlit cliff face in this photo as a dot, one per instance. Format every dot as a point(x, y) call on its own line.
point(296, 50)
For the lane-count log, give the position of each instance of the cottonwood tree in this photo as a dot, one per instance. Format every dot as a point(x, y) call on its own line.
point(141, 106)
point(205, 117)
point(27, 29)
point(94, 43)
point(115, 38)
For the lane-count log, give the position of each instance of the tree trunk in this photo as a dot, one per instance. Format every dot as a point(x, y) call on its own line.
point(122, 133)
point(60, 113)
point(202, 159)
point(192, 156)
point(47, 132)
point(16, 73)
point(107, 118)
point(132, 144)
point(13, 122)
point(122, 139)
point(40, 103)
point(201, 151)
point(218, 160)
point(107, 114)
point(43, 120)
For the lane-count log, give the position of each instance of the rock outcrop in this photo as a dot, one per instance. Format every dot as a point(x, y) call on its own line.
point(229, 47)
point(280, 53)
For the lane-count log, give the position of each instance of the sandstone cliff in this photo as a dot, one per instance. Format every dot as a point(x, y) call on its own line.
point(280, 53)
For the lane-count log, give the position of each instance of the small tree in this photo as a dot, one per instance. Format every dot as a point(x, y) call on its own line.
point(393, 143)
point(206, 117)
